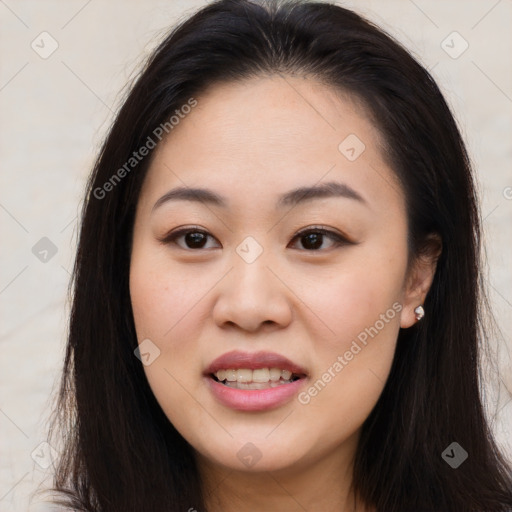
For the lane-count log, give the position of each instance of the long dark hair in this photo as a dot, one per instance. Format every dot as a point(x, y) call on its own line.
point(120, 452)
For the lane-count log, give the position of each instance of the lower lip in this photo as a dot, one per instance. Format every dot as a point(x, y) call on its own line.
point(254, 399)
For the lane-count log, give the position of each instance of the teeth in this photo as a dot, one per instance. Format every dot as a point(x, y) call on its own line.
point(256, 385)
point(260, 375)
point(230, 375)
point(243, 376)
point(275, 374)
point(286, 374)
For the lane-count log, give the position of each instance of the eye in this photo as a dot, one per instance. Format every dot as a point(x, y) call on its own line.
point(195, 238)
point(313, 238)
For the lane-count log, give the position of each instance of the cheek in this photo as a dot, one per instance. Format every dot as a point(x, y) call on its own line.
point(165, 307)
point(352, 297)
point(163, 297)
point(170, 307)
point(359, 319)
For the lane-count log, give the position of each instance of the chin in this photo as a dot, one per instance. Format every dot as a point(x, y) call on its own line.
point(251, 452)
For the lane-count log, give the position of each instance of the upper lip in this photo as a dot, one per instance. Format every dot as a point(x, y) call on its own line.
point(237, 359)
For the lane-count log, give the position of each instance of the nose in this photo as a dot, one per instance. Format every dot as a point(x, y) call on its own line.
point(252, 295)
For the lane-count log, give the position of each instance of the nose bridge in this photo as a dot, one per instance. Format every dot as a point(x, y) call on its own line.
point(251, 293)
point(250, 261)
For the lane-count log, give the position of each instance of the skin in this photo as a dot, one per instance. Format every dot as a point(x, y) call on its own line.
point(250, 142)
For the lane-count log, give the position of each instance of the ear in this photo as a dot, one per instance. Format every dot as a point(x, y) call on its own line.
point(419, 279)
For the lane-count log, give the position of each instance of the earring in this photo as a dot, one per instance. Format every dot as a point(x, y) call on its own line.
point(420, 312)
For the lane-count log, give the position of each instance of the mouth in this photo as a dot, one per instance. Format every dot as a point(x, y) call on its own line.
point(260, 378)
point(254, 382)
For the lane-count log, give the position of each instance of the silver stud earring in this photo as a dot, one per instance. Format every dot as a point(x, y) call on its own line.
point(419, 312)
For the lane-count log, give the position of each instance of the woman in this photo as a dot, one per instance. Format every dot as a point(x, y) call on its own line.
point(277, 289)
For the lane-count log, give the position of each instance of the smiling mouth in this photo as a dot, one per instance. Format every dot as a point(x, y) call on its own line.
point(261, 378)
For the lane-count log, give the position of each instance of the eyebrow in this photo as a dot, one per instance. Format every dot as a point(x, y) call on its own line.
point(291, 198)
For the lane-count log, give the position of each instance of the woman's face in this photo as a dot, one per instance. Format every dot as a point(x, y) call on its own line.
point(248, 286)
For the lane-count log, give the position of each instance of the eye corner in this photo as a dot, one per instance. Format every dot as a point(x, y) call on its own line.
point(339, 239)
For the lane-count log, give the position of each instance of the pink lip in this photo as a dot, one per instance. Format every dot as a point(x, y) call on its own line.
point(253, 399)
point(236, 359)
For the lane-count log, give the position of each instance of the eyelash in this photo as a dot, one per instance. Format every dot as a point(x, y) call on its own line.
point(339, 240)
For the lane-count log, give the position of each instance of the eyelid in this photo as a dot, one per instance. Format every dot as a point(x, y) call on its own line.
point(338, 238)
point(173, 234)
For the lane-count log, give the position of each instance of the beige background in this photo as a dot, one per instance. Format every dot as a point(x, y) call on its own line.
point(54, 113)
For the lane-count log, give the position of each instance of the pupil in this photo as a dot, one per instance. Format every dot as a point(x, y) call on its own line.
point(315, 239)
point(195, 239)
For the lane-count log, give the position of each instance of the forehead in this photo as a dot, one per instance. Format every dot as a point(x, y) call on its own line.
point(264, 136)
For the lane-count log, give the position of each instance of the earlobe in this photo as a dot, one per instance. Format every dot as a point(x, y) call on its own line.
point(419, 313)
point(419, 281)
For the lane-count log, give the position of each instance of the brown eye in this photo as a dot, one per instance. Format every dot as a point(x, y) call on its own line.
point(193, 238)
point(313, 238)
